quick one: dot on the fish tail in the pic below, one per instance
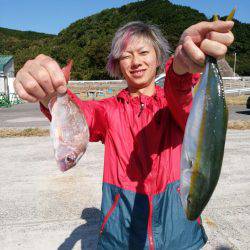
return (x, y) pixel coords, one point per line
(67, 69)
(231, 15)
(215, 18)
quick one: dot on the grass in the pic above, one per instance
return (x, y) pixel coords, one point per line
(238, 124)
(24, 132)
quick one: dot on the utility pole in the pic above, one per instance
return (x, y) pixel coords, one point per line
(234, 62)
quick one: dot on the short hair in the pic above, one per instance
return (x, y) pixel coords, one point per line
(137, 29)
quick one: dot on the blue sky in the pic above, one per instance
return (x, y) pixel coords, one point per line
(51, 16)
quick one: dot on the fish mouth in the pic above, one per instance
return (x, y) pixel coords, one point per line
(71, 159)
(68, 162)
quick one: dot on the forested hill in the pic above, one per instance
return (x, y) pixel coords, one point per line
(11, 41)
(26, 35)
(88, 40)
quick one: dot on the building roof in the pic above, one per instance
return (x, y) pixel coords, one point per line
(4, 60)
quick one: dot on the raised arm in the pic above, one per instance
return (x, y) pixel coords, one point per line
(199, 40)
(178, 91)
(42, 78)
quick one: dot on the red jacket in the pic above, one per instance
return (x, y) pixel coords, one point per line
(143, 138)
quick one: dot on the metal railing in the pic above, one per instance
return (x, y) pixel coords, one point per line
(238, 91)
(237, 85)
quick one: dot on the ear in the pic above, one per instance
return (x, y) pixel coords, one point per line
(158, 63)
(120, 72)
(158, 66)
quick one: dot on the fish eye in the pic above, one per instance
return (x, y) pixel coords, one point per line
(70, 158)
(189, 200)
(191, 163)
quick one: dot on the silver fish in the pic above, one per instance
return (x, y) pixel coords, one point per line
(204, 141)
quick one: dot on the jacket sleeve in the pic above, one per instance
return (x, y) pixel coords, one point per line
(178, 92)
(94, 113)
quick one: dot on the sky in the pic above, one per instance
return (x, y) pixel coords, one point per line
(51, 16)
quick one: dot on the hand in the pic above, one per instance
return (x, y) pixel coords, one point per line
(199, 40)
(40, 79)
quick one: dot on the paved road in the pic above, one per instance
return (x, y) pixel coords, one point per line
(42, 208)
(239, 112)
(26, 115)
(29, 115)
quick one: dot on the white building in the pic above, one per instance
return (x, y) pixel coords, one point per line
(6, 74)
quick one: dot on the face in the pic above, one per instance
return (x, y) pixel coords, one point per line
(138, 63)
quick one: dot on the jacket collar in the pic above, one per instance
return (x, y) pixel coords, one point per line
(125, 95)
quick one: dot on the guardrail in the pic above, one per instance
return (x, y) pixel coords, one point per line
(236, 82)
(238, 91)
(99, 82)
(241, 78)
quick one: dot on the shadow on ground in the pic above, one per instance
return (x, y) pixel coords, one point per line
(223, 248)
(245, 112)
(87, 233)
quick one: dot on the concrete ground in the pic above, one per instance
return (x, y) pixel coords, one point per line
(43, 208)
(25, 115)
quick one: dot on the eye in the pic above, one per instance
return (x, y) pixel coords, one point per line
(125, 57)
(144, 52)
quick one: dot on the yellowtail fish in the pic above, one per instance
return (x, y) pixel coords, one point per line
(204, 141)
(68, 129)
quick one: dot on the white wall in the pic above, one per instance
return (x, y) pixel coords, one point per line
(10, 83)
(1, 84)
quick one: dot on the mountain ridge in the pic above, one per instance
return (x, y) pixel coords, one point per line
(87, 41)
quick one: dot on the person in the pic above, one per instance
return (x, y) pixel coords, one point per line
(142, 129)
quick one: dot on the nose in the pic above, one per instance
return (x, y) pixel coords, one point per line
(136, 61)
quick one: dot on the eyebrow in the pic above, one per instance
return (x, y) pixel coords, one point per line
(130, 51)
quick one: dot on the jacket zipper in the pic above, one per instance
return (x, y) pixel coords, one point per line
(105, 220)
(141, 109)
(150, 230)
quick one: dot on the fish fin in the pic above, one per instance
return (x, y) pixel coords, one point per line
(67, 69)
(231, 15)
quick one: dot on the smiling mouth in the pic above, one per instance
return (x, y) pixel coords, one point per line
(137, 73)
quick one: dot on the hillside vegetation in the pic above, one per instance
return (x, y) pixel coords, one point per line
(88, 40)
